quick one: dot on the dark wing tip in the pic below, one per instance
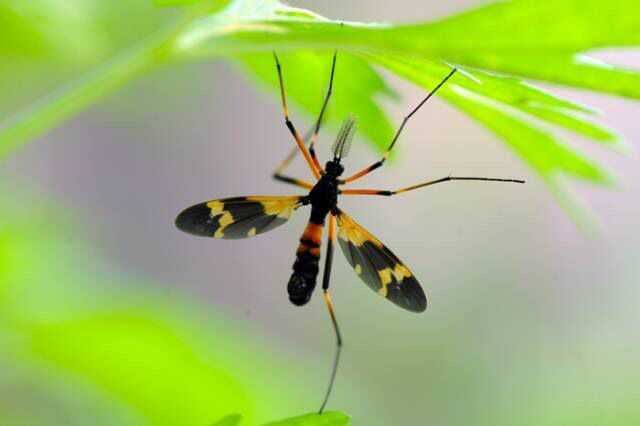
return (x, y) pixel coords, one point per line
(197, 220)
(419, 301)
(411, 296)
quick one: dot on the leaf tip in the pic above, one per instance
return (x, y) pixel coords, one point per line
(328, 418)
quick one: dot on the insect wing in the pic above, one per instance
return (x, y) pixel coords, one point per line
(378, 267)
(238, 217)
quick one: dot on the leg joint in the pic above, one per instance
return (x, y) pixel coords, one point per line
(289, 125)
(377, 164)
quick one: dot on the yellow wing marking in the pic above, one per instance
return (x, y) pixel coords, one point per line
(385, 280)
(225, 220)
(401, 272)
(279, 206)
(351, 231)
(216, 207)
(282, 207)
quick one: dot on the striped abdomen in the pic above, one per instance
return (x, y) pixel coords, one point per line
(305, 268)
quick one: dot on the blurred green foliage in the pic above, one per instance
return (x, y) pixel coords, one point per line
(82, 344)
(102, 353)
(495, 46)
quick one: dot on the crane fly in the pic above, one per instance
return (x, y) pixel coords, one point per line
(372, 261)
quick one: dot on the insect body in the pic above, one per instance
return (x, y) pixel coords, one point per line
(323, 199)
(372, 261)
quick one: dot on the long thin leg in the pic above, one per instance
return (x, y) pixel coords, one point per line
(421, 185)
(292, 180)
(315, 169)
(314, 136)
(279, 175)
(380, 162)
(327, 298)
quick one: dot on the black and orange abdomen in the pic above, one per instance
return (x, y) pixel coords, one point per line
(305, 268)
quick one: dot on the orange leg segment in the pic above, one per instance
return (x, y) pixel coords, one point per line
(315, 167)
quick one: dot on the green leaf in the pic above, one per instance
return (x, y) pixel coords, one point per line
(542, 42)
(42, 36)
(172, 3)
(535, 102)
(540, 149)
(231, 420)
(108, 349)
(69, 100)
(48, 112)
(329, 418)
(217, 4)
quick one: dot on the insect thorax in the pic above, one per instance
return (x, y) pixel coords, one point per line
(323, 198)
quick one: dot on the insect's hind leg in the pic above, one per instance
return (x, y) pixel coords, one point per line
(332, 314)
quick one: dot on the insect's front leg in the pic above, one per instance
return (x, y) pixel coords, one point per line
(380, 162)
(315, 167)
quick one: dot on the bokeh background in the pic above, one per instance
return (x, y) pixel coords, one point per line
(112, 316)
